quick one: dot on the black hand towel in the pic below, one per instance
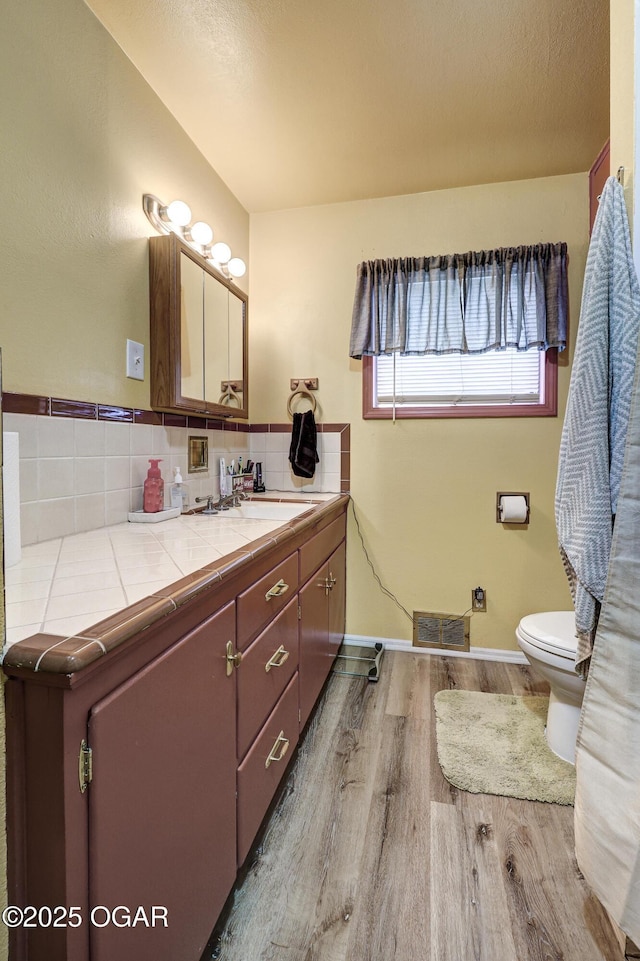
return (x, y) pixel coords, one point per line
(303, 453)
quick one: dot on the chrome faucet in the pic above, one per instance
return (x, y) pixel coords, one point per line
(211, 508)
(223, 503)
(233, 499)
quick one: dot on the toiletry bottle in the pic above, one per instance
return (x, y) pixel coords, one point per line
(153, 499)
(223, 477)
(179, 493)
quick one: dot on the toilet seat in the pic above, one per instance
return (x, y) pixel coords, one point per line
(551, 631)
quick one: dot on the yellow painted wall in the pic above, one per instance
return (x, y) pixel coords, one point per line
(83, 138)
(622, 120)
(424, 491)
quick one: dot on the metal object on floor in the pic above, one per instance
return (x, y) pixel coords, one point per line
(354, 660)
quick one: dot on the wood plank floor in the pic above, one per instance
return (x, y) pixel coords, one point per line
(370, 855)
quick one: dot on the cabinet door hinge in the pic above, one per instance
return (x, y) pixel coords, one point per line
(85, 766)
(299, 613)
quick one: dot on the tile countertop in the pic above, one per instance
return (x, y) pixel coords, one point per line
(66, 587)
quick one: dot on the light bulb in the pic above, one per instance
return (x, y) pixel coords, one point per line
(221, 252)
(178, 213)
(237, 267)
(201, 233)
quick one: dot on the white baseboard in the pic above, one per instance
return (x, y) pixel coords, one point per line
(479, 653)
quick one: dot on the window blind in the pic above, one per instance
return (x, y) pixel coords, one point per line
(496, 377)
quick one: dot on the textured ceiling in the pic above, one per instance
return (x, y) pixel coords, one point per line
(295, 102)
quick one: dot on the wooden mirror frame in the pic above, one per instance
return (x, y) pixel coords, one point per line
(165, 331)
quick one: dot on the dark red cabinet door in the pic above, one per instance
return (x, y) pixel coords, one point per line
(322, 603)
(337, 598)
(162, 802)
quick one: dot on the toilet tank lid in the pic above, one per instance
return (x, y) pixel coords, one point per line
(555, 629)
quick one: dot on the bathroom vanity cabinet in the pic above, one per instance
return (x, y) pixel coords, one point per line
(190, 723)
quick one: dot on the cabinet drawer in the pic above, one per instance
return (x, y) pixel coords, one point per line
(320, 546)
(263, 600)
(258, 776)
(266, 668)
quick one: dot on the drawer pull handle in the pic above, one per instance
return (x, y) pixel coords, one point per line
(277, 590)
(233, 658)
(282, 745)
(277, 659)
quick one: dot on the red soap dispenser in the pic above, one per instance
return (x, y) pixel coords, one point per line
(153, 499)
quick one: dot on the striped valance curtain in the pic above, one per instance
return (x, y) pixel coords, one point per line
(462, 303)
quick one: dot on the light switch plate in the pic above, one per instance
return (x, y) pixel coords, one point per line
(135, 360)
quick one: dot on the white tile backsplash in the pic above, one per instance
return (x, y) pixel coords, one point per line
(90, 475)
(89, 438)
(330, 464)
(277, 441)
(79, 475)
(117, 438)
(55, 437)
(55, 518)
(117, 505)
(55, 477)
(117, 473)
(28, 479)
(90, 513)
(160, 441)
(272, 450)
(274, 462)
(258, 445)
(27, 426)
(141, 439)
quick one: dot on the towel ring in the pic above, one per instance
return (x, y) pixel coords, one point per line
(303, 393)
(228, 396)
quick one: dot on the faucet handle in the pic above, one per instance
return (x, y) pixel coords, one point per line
(209, 509)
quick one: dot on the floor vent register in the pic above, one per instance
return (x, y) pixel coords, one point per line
(448, 632)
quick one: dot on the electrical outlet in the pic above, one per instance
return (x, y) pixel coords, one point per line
(135, 360)
(478, 599)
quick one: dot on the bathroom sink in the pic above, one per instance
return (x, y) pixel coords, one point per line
(266, 510)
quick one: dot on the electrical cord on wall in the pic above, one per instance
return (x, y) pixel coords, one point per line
(385, 590)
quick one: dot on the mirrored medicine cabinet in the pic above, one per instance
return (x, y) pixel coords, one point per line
(199, 332)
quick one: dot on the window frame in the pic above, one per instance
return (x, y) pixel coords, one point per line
(548, 406)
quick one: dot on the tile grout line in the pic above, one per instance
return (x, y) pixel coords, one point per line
(52, 581)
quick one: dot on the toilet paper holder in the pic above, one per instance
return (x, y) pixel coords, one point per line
(502, 494)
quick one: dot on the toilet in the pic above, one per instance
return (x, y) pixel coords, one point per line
(548, 640)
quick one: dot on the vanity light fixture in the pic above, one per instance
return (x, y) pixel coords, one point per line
(177, 213)
(237, 267)
(201, 233)
(220, 253)
(176, 218)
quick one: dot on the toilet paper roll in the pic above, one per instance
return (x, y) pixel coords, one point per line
(11, 497)
(513, 509)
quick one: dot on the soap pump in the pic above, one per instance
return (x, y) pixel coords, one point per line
(153, 498)
(179, 493)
